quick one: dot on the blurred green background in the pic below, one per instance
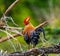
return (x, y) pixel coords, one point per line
(39, 11)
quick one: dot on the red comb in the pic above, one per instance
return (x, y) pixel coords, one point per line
(26, 20)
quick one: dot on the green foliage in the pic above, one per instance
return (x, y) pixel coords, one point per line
(38, 10)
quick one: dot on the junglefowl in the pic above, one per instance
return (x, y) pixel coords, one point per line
(31, 33)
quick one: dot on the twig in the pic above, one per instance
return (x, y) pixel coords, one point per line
(11, 28)
(10, 7)
(6, 38)
(42, 24)
(39, 51)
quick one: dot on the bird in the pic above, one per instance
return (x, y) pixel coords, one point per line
(31, 33)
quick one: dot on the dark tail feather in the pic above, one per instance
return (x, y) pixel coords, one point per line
(40, 29)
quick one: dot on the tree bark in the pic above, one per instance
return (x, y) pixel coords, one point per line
(39, 51)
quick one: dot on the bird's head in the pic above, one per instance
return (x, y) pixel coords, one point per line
(26, 20)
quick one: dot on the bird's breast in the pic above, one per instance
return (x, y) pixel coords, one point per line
(28, 30)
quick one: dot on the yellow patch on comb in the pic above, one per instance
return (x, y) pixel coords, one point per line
(27, 18)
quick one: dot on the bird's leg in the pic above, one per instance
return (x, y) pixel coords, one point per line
(33, 46)
(29, 47)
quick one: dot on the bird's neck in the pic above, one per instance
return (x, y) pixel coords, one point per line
(29, 25)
